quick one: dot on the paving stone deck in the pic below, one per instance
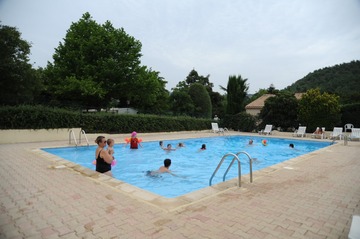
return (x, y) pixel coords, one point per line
(307, 197)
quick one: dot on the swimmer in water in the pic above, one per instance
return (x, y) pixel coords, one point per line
(168, 148)
(162, 169)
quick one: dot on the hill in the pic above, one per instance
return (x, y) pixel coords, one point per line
(342, 80)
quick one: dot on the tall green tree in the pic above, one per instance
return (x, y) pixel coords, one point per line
(181, 102)
(19, 83)
(236, 94)
(280, 111)
(318, 109)
(98, 64)
(148, 92)
(183, 86)
(201, 100)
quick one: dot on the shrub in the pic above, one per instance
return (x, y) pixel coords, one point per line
(241, 122)
(40, 117)
(350, 114)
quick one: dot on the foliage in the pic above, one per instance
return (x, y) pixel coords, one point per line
(236, 94)
(98, 64)
(194, 77)
(148, 92)
(350, 114)
(201, 100)
(318, 109)
(218, 103)
(182, 104)
(18, 80)
(342, 80)
(40, 117)
(280, 111)
(241, 122)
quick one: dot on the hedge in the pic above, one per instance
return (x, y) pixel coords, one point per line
(41, 117)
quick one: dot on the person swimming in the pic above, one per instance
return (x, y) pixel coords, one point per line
(162, 169)
(169, 148)
(180, 145)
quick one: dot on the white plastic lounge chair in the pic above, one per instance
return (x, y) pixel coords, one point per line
(355, 134)
(216, 129)
(354, 232)
(267, 130)
(322, 136)
(348, 127)
(300, 131)
(337, 133)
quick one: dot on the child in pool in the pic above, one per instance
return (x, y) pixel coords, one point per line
(134, 141)
(180, 145)
(110, 149)
(203, 147)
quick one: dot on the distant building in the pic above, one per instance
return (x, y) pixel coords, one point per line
(123, 111)
(255, 107)
(114, 111)
(298, 95)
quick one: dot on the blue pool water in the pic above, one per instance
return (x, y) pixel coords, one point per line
(195, 167)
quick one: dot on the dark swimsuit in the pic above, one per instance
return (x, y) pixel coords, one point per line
(101, 165)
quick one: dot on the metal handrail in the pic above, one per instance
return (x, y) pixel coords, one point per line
(71, 133)
(221, 161)
(250, 163)
(232, 162)
(83, 132)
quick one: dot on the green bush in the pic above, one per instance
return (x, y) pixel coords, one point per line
(40, 117)
(350, 114)
(241, 122)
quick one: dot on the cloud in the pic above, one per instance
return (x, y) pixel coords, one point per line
(274, 41)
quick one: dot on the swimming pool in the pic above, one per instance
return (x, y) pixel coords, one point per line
(193, 166)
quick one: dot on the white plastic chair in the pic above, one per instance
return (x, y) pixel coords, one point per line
(322, 135)
(355, 134)
(216, 129)
(337, 133)
(348, 127)
(301, 131)
(267, 130)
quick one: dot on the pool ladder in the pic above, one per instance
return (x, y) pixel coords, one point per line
(72, 136)
(235, 157)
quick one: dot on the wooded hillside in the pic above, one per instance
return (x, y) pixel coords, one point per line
(342, 79)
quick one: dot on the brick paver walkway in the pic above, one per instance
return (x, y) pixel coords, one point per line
(314, 198)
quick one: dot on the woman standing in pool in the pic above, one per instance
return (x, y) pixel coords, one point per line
(103, 158)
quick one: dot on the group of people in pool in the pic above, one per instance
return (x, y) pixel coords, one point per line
(251, 141)
(105, 156)
(180, 145)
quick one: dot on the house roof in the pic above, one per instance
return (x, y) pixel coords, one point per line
(298, 95)
(259, 102)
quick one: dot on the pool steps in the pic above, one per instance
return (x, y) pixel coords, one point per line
(236, 157)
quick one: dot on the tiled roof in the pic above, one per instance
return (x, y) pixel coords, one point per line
(259, 102)
(298, 95)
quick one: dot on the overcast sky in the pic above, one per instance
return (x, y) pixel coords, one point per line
(265, 41)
